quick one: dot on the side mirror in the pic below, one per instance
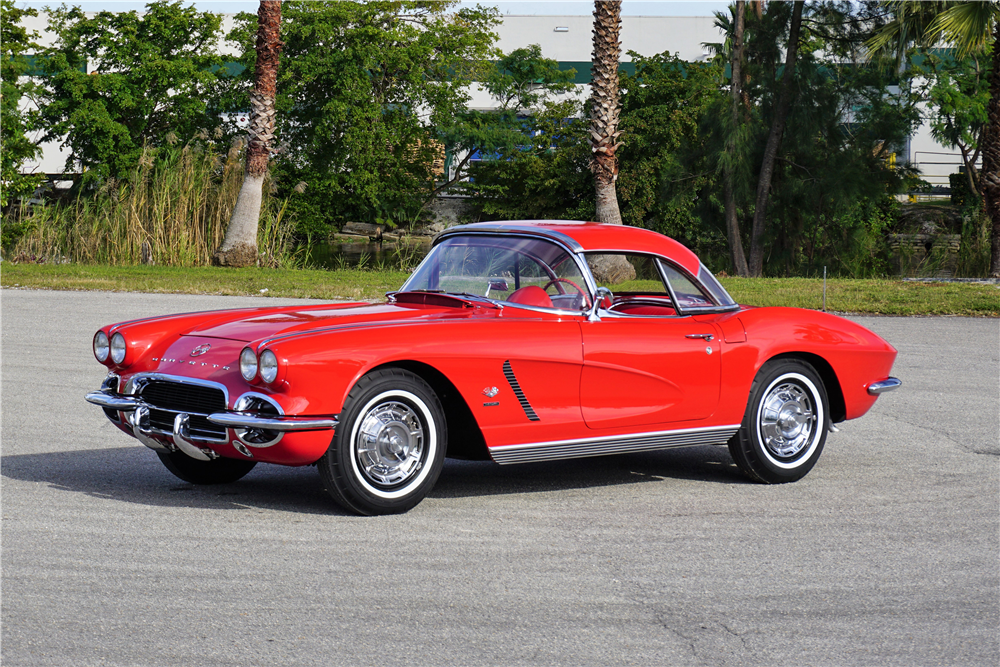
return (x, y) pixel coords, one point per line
(603, 298)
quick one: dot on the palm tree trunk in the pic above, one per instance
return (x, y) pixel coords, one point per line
(240, 245)
(605, 108)
(728, 191)
(773, 143)
(989, 178)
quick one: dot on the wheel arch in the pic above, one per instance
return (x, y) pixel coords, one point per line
(465, 439)
(834, 392)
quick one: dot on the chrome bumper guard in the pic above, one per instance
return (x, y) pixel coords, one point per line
(138, 420)
(882, 386)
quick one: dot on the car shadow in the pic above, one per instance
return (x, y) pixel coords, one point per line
(135, 475)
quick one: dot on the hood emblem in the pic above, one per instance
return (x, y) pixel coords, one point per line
(490, 392)
(201, 349)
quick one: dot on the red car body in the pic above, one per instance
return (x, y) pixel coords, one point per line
(512, 381)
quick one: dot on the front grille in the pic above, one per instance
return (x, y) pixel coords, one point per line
(168, 399)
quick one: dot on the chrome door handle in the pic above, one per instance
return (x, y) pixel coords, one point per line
(702, 336)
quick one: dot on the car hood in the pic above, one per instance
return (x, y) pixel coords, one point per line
(282, 321)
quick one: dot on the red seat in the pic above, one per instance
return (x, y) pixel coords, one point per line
(531, 295)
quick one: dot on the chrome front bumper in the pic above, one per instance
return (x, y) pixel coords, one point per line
(882, 386)
(137, 418)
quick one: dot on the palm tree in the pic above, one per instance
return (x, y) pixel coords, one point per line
(605, 108)
(240, 245)
(969, 27)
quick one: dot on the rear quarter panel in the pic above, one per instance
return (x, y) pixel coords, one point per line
(856, 355)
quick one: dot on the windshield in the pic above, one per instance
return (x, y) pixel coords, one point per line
(525, 271)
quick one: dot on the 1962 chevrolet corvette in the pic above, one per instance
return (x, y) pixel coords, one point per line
(526, 341)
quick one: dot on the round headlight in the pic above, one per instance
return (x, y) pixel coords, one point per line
(101, 346)
(118, 348)
(268, 366)
(248, 364)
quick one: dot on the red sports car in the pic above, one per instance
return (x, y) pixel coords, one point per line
(520, 341)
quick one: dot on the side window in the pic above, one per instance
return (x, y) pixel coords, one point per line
(635, 281)
(688, 294)
(632, 274)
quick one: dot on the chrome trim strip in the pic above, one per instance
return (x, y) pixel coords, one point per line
(180, 379)
(246, 420)
(636, 442)
(881, 387)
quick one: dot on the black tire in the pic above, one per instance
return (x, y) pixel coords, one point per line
(216, 471)
(785, 424)
(389, 447)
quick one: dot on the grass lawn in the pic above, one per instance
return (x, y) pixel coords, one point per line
(881, 297)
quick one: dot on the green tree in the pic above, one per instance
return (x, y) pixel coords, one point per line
(971, 27)
(665, 170)
(362, 91)
(525, 86)
(150, 76)
(17, 120)
(958, 94)
(239, 248)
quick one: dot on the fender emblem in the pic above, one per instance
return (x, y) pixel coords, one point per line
(201, 349)
(490, 392)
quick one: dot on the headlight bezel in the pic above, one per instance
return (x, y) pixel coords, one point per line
(102, 342)
(119, 348)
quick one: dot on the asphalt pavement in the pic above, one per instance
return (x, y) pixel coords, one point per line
(887, 553)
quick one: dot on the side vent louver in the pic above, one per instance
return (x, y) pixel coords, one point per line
(525, 405)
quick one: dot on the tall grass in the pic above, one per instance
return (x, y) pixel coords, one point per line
(172, 212)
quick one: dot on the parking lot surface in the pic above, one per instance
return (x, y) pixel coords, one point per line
(885, 554)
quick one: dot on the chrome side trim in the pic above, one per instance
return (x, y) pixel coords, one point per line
(881, 387)
(637, 442)
(245, 420)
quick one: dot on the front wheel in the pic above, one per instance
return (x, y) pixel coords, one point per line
(216, 471)
(785, 424)
(388, 449)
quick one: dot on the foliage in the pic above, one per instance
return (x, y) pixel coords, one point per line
(173, 211)
(524, 85)
(17, 119)
(834, 174)
(957, 93)
(152, 75)
(547, 177)
(666, 180)
(362, 89)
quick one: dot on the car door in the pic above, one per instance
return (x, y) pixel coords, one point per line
(647, 369)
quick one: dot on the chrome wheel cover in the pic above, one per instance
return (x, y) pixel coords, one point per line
(787, 420)
(390, 444)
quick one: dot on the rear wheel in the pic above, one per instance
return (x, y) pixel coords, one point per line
(388, 449)
(216, 471)
(785, 424)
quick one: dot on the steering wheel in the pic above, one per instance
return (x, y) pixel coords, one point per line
(557, 281)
